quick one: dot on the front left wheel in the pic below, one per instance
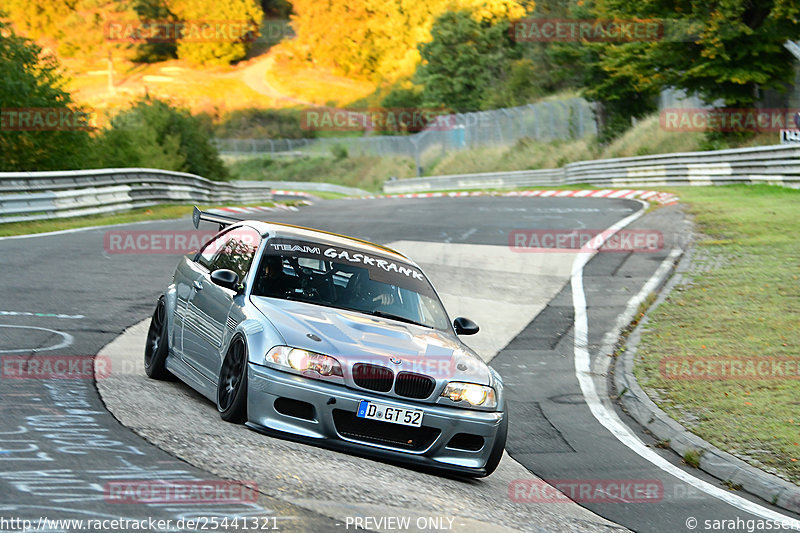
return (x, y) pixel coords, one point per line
(157, 348)
(232, 384)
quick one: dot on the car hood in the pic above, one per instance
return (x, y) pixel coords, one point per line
(354, 337)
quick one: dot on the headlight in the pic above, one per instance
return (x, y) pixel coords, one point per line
(304, 361)
(478, 395)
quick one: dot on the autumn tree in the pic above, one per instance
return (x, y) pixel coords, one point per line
(226, 47)
(72, 28)
(379, 39)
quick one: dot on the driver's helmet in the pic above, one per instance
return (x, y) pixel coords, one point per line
(369, 288)
(273, 266)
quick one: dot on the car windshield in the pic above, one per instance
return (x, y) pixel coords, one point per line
(348, 279)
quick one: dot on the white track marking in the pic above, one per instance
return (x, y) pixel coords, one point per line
(39, 315)
(609, 418)
(67, 339)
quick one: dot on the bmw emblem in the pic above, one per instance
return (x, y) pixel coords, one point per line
(395, 360)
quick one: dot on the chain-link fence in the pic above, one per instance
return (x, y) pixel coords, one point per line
(545, 121)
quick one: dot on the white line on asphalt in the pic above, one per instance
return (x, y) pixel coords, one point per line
(467, 234)
(67, 339)
(39, 315)
(609, 418)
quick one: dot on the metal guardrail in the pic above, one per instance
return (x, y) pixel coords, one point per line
(778, 164)
(44, 195)
(26, 196)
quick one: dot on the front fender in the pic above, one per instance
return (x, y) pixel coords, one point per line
(497, 383)
(259, 338)
(170, 300)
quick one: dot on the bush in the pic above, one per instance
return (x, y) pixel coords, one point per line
(339, 152)
(256, 123)
(154, 134)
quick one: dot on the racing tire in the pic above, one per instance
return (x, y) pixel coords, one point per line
(232, 384)
(498, 448)
(156, 349)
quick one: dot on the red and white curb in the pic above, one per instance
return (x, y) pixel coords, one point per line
(250, 210)
(663, 198)
(628, 194)
(292, 193)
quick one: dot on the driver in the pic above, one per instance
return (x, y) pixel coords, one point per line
(273, 281)
(363, 290)
(383, 298)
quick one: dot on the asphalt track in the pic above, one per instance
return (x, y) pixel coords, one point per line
(59, 446)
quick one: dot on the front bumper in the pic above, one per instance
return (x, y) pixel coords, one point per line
(316, 411)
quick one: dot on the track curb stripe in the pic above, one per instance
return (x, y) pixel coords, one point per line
(663, 198)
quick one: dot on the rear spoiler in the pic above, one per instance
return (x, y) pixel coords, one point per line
(222, 220)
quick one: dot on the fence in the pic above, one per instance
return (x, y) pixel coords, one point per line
(764, 164)
(28, 196)
(546, 121)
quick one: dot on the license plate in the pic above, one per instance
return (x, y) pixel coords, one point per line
(387, 413)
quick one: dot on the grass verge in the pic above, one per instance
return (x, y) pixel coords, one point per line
(740, 300)
(156, 212)
(367, 173)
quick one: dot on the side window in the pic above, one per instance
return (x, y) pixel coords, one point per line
(208, 252)
(233, 251)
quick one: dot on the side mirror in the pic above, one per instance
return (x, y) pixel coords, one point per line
(226, 278)
(465, 326)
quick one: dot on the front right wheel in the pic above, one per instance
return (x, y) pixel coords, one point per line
(157, 348)
(232, 384)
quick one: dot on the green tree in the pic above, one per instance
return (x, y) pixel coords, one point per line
(29, 79)
(520, 84)
(463, 60)
(154, 134)
(403, 96)
(620, 96)
(726, 50)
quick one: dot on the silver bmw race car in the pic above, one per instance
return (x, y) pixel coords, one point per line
(329, 340)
